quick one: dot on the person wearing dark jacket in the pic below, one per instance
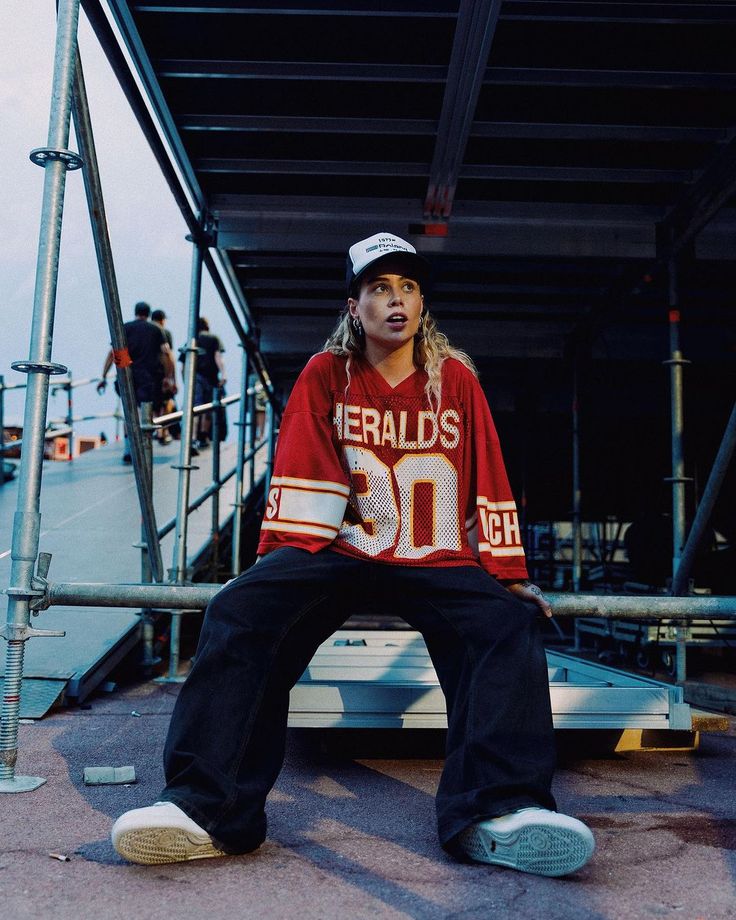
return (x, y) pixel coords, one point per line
(151, 359)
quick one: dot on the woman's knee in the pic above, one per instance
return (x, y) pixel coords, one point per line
(233, 604)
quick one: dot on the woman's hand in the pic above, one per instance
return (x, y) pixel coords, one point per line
(526, 591)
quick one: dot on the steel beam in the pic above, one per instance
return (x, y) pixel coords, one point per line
(301, 124)
(700, 203)
(408, 9)
(260, 284)
(589, 13)
(488, 172)
(285, 71)
(474, 31)
(502, 238)
(337, 209)
(638, 13)
(517, 130)
(609, 79)
(336, 167)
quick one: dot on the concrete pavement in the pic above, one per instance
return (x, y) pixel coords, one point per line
(352, 832)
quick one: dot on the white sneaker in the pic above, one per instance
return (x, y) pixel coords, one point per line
(161, 833)
(531, 840)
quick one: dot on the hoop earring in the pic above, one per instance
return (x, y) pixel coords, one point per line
(419, 335)
(357, 327)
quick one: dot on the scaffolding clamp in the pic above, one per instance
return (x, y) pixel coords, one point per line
(17, 633)
(39, 367)
(38, 596)
(43, 155)
(205, 236)
(39, 590)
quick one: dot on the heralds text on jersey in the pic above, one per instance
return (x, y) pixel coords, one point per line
(419, 430)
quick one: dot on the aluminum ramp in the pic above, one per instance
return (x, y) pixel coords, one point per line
(90, 522)
(385, 679)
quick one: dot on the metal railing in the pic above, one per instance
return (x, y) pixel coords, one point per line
(64, 426)
(196, 597)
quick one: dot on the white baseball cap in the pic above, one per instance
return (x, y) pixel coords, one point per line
(366, 252)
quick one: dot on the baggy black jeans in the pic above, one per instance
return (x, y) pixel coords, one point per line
(226, 740)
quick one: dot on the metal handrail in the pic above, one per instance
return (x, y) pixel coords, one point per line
(163, 421)
(196, 597)
(69, 420)
(70, 384)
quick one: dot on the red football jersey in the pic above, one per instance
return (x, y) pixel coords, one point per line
(372, 471)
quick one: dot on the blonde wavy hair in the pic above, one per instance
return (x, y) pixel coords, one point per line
(431, 348)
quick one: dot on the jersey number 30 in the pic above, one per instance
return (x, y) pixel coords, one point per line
(419, 516)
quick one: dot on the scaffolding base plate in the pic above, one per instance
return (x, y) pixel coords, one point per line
(21, 784)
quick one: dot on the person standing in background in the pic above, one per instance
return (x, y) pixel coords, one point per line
(210, 374)
(168, 391)
(151, 359)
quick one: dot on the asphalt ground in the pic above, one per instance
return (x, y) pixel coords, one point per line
(352, 831)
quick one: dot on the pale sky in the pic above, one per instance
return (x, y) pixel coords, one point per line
(152, 258)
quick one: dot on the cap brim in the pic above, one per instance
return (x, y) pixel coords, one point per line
(419, 268)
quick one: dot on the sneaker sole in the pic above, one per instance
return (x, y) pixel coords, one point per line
(536, 848)
(155, 845)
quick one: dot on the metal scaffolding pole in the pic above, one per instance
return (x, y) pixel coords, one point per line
(251, 435)
(678, 478)
(196, 597)
(70, 397)
(56, 160)
(2, 430)
(185, 467)
(705, 508)
(577, 520)
(240, 470)
(108, 280)
(271, 435)
(215, 509)
(146, 414)
(179, 570)
(147, 624)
